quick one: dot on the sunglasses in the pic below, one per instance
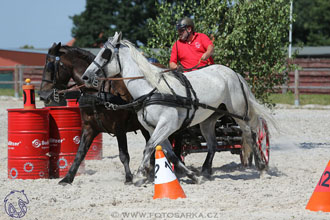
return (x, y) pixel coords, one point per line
(181, 30)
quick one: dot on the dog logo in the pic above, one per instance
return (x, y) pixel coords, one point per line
(15, 204)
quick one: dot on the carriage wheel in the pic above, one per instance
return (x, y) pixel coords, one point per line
(262, 141)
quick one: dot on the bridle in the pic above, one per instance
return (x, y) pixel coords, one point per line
(108, 56)
(54, 74)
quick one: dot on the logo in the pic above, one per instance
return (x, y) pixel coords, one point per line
(41, 174)
(197, 45)
(61, 165)
(56, 141)
(15, 204)
(28, 167)
(37, 143)
(94, 147)
(12, 171)
(76, 140)
(10, 143)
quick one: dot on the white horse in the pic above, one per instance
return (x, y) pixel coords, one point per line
(213, 85)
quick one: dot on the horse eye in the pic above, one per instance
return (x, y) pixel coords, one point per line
(106, 54)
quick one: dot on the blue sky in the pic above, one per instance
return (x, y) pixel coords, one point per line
(37, 22)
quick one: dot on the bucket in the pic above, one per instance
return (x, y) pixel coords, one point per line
(64, 139)
(95, 150)
(28, 143)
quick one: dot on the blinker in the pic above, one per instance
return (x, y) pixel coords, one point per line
(106, 54)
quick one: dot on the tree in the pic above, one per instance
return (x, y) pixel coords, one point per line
(312, 23)
(102, 18)
(250, 36)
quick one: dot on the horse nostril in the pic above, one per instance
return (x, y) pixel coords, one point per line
(85, 78)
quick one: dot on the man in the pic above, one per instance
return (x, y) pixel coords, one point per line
(192, 49)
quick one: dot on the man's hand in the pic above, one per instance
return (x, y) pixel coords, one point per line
(205, 56)
(179, 68)
(208, 53)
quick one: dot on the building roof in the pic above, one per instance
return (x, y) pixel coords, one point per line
(12, 57)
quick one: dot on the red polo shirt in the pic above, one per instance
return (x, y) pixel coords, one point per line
(190, 53)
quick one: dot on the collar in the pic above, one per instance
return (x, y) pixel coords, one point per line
(193, 38)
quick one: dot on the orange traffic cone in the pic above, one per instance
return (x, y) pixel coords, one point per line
(320, 199)
(166, 183)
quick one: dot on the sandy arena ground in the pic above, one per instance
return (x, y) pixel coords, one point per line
(299, 155)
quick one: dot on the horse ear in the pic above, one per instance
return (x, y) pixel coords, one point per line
(58, 46)
(119, 36)
(116, 38)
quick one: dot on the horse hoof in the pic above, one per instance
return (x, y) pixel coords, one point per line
(140, 182)
(261, 166)
(63, 183)
(199, 180)
(129, 180)
(139, 179)
(206, 175)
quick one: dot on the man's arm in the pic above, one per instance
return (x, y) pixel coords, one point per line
(208, 53)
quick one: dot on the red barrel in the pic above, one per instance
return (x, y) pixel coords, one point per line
(95, 150)
(64, 139)
(72, 103)
(28, 143)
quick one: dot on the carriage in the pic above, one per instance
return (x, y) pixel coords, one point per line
(229, 138)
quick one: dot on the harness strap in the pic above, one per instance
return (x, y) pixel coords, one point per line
(245, 98)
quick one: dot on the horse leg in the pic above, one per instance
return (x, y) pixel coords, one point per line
(208, 131)
(178, 164)
(87, 137)
(124, 156)
(159, 134)
(146, 136)
(249, 143)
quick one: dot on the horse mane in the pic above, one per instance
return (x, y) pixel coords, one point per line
(81, 53)
(153, 74)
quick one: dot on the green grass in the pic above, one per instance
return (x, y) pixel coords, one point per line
(304, 99)
(7, 92)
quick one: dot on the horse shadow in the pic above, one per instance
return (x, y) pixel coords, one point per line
(313, 145)
(91, 172)
(227, 171)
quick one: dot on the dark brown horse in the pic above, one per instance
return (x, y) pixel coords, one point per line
(64, 63)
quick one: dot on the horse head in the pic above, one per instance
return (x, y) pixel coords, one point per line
(106, 63)
(56, 75)
(15, 204)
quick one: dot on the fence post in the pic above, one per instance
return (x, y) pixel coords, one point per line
(16, 81)
(21, 72)
(296, 87)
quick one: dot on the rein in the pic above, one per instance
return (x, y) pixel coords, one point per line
(72, 88)
(122, 78)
